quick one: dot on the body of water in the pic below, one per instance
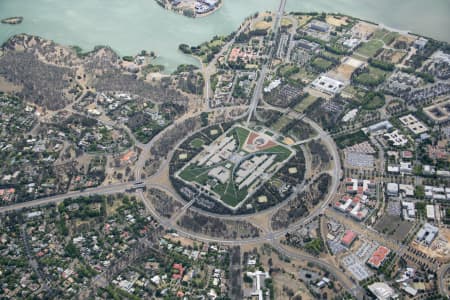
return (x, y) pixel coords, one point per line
(129, 26)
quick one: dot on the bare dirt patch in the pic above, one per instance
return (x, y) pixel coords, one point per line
(440, 248)
(364, 30)
(394, 226)
(336, 21)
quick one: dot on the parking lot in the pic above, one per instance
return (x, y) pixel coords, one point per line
(360, 160)
(394, 208)
(356, 267)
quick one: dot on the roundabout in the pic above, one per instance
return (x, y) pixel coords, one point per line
(163, 180)
(261, 221)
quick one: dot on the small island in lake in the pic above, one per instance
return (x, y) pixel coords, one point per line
(191, 8)
(12, 20)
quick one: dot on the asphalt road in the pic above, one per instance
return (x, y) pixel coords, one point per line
(103, 190)
(442, 285)
(257, 94)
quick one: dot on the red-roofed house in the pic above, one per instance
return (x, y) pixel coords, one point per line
(436, 152)
(348, 238)
(180, 294)
(407, 155)
(378, 257)
(107, 227)
(343, 204)
(179, 270)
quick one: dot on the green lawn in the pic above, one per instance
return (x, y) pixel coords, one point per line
(305, 103)
(228, 192)
(282, 152)
(281, 123)
(373, 102)
(370, 48)
(321, 64)
(358, 57)
(331, 55)
(379, 34)
(373, 78)
(289, 70)
(351, 139)
(196, 173)
(242, 135)
(389, 38)
(385, 35)
(197, 143)
(315, 246)
(305, 74)
(378, 72)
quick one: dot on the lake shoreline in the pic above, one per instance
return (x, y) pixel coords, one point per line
(189, 11)
(143, 24)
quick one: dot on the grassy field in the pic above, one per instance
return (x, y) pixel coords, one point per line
(358, 57)
(286, 22)
(374, 77)
(379, 34)
(304, 74)
(374, 102)
(229, 191)
(197, 143)
(321, 64)
(384, 35)
(390, 37)
(230, 194)
(331, 55)
(351, 139)
(281, 123)
(242, 135)
(370, 48)
(350, 90)
(305, 103)
(289, 70)
(195, 173)
(356, 93)
(282, 152)
(378, 72)
(262, 25)
(303, 20)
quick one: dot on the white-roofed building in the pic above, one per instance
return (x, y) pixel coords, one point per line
(392, 189)
(393, 169)
(427, 234)
(220, 173)
(257, 291)
(328, 85)
(396, 138)
(409, 211)
(430, 212)
(382, 291)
